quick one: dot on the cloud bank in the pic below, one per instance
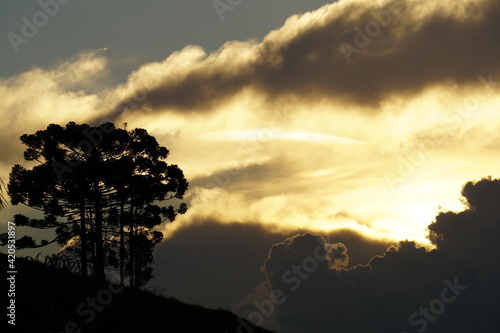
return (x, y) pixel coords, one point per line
(349, 52)
(216, 264)
(407, 289)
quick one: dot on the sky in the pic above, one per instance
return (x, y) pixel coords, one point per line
(351, 124)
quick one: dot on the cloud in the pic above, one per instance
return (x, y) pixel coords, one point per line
(257, 134)
(379, 296)
(472, 233)
(31, 100)
(287, 192)
(292, 251)
(211, 263)
(307, 154)
(407, 289)
(356, 52)
(216, 264)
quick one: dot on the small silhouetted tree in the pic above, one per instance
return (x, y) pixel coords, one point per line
(106, 184)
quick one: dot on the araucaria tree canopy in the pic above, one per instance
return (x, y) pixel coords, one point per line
(103, 189)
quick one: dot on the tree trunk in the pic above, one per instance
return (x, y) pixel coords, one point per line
(99, 248)
(138, 265)
(122, 242)
(131, 246)
(83, 238)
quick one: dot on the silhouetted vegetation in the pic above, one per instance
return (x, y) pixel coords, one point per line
(101, 189)
(54, 300)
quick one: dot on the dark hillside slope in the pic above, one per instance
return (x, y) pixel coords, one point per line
(53, 300)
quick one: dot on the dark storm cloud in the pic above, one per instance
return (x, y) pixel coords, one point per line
(473, 234)
(217, 264)
(378, 297)
(211, 263)
(352, 51)
(407, 289)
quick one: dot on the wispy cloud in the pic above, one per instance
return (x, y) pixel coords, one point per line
(424, 44)
(260, 134)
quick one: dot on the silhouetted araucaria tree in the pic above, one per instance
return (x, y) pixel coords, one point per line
(103, 190)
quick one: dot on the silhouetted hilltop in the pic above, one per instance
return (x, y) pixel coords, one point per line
(54, 300)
